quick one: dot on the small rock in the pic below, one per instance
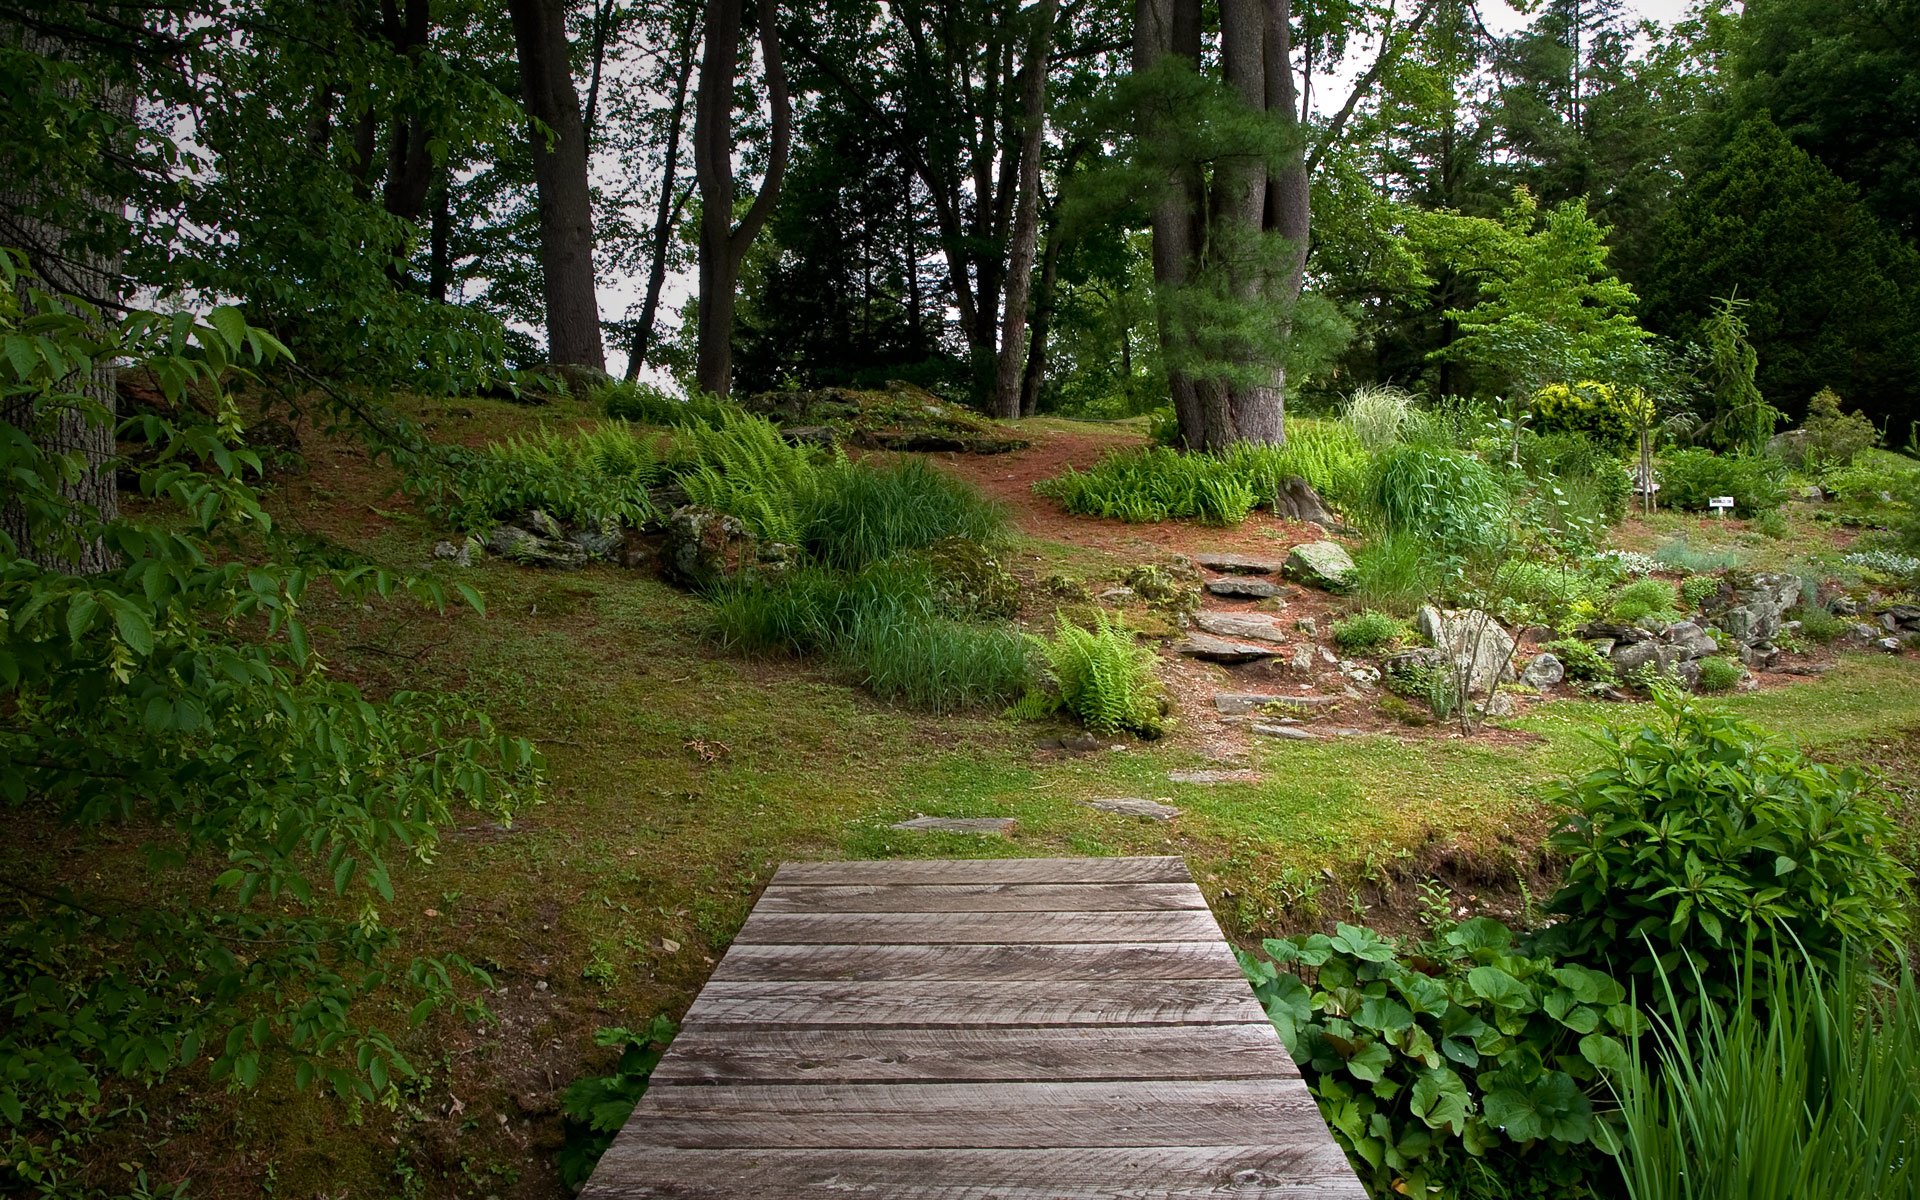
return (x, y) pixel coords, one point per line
(1240, 587)
(985, 826)
(517, 545)
(1136, 806)
(703, 547)
(1234, 704)
(1257, 627)
(1692, 641)
(1116, 595)
(1761, 656)
(1292, 733)
(1321, 564)
(1360, 674)
(603, 542)
(1629, 658)
(1326, 656)
(1307, 627)
(460, 555)
(1341, 731)
(1501, 704)
(669, 946)
(543, 525)
(1890, 645)
(1238, 564)
(1843, 606)
(1223, 650)
(1544, 671)
(1212, 777)
(1860, 631)
(1812, 492)
(821, 436)
(540, 985)
(1302, 661)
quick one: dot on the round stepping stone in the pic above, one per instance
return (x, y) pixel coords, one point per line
(1291, 733)
(1211, 777)
(1255, 627)
(985, 826)
(1238, 564)
(1136, 806)
(1240, 587)
(1225, 650)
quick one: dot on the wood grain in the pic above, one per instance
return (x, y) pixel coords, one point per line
(1311, 1170)
(985, 870)
(910, 929)
(982, 897)
(1014, 1054)
(1089, 962)
(995, 1002)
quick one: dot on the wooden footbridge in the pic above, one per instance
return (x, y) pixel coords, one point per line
(1030, 1029)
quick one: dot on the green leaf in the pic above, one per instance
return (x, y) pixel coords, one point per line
(231, 326)
(1440, 1099)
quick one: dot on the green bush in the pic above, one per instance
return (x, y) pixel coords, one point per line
(1545, 590)
(858, 513)
(1324, 453)
(1802, 1087)
(1691, 477)
(1368, 630)
(1381, 416)
(1702, 835)
(1720, 674)
(1102, 677)
(1445, 497)
(971, 582)
(650, 405)
(1398, 572)
(1696, 590)
(602, 474)
(1466, 1065)
(1645, 599)
(1829, 439)
(1817, 624)
(743, 467)
(1575, 459)
(1154, 484)
(594, 1108)
(1679, 555)
(1582, 660)
(1609, 414)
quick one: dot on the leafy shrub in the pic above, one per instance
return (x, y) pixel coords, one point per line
(1817, 624)
(1644, 599)
(1154, 484)
(599, 475)
(743, 467)
(1887, 563)
(1582, 660)
(1680, 555)
(1696, 590)
(970, 581)
(1102, 677)
(1467, 1064)
(1417, 678)
(1397, 573)
(1872, 480)
(1625, 563)
(1691, 477)
(651, 405)
(596, 1107)
(1550, 591)
(1368, 630)
(1702, 835)
(1609, 414)
(857, 513)
(1445, 497)
(1829, 439)
(1575, 458)
(1379, 416)
(1771, 524)
(1719, 674)
(1803, 1086)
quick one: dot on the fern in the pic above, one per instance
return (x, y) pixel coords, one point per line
(743, 467)
(601, 474)
(1102, 677)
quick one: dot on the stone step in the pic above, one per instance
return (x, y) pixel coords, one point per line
(1213, 777)
(1227, 651)
(1242, 587)
(1238, 564)
(1233, 704)
(1136, 806)
(985, 826)
(1255, 627)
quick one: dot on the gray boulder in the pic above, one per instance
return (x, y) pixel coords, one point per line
(703, 547)
(603, 541)
(517, 545)
(1480, 650)
(543, 525)
(1752, 611)
(1256, 627)
(1544, 671)
(1691, 641)
(1321, 564)
(1237, 564)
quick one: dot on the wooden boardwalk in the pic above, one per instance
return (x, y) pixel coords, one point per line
(1025, 1028)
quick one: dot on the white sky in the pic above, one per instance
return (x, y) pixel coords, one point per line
(621, 294)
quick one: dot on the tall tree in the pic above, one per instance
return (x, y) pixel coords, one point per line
(723, 242)
(1026, 221)
(560, 180)
(673, 196)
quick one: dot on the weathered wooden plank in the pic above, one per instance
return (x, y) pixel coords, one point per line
(987, 1002)
(1311, 1170)
(1165, 869)
(982, 897)
(882, 1116)
(790, 929)
(707, 1054)
(1094, 961)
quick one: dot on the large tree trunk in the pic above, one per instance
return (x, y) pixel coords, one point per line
(724, 244)
(560, 181)
(67, 262)
(1163, 29)
(1026, 220)
(1034, 378)
(409, 161)
(667, 214)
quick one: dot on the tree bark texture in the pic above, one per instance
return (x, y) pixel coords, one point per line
(65, 264)
(560, 182)
(1026, 220)
(724, 244)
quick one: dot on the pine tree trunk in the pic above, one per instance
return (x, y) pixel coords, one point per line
(1164, 28)
(723, 245)
(667, 214)
(66, 264)
(1035, 376)
(560, 182)
(1026, 220)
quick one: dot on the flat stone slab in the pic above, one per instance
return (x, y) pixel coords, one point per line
(1242, 587)
(1291, 733)
(1136, 806)
(1238, 564)
(1213, 777)
(985, 826)
(1225, 650)
(1233, 704)
(1255, 627)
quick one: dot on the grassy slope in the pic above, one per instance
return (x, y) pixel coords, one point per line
(682, 777)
